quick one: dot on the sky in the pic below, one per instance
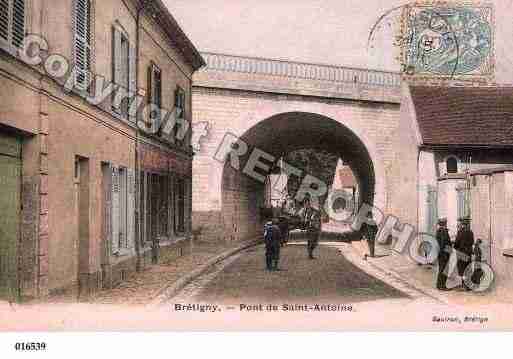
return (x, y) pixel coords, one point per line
(318, 31)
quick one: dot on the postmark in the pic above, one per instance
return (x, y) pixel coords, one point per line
(448, 41)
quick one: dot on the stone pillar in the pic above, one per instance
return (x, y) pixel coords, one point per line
(42, 247)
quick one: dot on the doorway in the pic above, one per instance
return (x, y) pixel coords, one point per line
(82, 186)
(10, 206)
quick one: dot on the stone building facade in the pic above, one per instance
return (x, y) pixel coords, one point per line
(81, 176)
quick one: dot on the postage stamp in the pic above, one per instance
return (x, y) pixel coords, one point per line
(453, 41)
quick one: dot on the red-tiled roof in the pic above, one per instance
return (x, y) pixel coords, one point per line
(472, 116)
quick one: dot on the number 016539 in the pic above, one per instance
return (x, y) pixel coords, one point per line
(30, 346)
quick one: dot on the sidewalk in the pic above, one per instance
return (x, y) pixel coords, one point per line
(421, 277)
(144, 287)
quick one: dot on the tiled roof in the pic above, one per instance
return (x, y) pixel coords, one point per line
(467, 116)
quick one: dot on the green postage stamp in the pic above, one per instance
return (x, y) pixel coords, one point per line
(444, 40)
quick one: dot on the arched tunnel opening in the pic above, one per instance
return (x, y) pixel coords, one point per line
(277, 136)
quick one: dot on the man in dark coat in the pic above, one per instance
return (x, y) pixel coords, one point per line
(311, 223)
(463, 245)
(444, 254)
(478, 272)
(272, 238)
(370, 230)
(284, 229)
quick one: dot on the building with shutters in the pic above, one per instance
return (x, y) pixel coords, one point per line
(87, 194)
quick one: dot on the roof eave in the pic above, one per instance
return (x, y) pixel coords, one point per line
(465, 146)
(178, 37)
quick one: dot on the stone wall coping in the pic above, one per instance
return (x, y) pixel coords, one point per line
(302, 70)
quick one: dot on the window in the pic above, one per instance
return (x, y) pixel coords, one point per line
(12, 21)
(122, 209)
(155, 94)
(76, 169)
(463, 201)
(122, 243)
(82, 43)
(120, 64)
(180, 112)
(452, 165)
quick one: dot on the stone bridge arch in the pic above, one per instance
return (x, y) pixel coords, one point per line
(358, 126)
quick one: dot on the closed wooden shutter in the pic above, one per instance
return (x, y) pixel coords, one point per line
(18, 22)
(116, 51)
(130, 237)
(82, 46)
(107, 209)
(115, 211)
(158, 95)
(4, 19)
(12, 21)
(180, 107)
(132, 75)
(155, 94)
(122, 207)
(431, 210)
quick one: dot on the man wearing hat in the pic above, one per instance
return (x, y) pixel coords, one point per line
(311, 223)
(272, 238)
(444, 254)
(464, 244)
(370, 230)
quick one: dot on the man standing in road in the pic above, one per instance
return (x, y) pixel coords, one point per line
(463, 245)
(370, 232)
(444, 254)
(284, 229)
(311, 223)
(272, 238)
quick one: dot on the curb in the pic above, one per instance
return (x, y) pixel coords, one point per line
(170, 290)
(387, 273)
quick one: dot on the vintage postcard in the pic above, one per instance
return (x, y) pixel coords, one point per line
(318, 165)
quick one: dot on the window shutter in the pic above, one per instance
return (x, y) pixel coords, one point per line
(149, 85)
(149, 90)
(108, 207)
(4, 19)
(12, 21)
(82, 42)
(158, 95)
(115, 210)
(116, 63)
(132, 75)
(172, 206)
(130, 237)
(116, 56)
(179, 103)
(154, 94)
(122, 207)
(18, 22)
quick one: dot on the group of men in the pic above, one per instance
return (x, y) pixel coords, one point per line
(465, 247)
(276, 233)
